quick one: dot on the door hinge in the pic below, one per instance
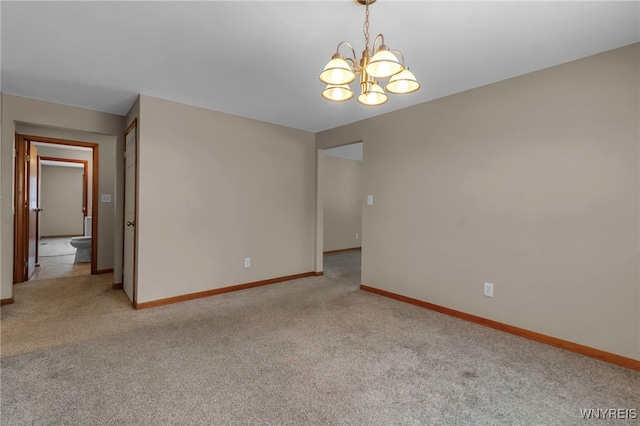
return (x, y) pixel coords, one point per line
(124, 154)
(26, 263)
(27, 157)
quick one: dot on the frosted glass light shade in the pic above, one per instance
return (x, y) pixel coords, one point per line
(337, 93)
(337, 72)
(374, 96)
(403, 82)
(384, 64)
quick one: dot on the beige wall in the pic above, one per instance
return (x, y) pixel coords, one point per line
(63, 152)
(531, 184)
(66, 122)
(61, 198)
(214, 189)
(4, 294)
(342, 201)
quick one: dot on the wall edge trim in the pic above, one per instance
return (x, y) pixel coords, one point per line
(8, 301)
(341, 250)
(521, 332)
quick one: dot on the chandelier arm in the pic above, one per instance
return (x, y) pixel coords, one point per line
(378, 37)
(346, 43)
(354, 65)
(401, 56)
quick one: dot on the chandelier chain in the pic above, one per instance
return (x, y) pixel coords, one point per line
(366, 27)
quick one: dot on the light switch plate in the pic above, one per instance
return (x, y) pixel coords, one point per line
(105, 198)
(369, 200)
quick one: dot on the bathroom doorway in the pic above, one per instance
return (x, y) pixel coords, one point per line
(56, 208)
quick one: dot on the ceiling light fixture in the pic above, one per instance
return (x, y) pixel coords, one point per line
(341, 71)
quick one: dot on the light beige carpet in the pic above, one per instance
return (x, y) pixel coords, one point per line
(310, 351)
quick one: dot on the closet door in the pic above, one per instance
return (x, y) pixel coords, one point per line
(130, 202)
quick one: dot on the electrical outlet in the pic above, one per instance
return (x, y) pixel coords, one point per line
(357, 236)
(247, 262)
(488, 289)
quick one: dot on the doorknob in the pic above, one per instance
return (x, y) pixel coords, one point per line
(130, 223)
(37, 209)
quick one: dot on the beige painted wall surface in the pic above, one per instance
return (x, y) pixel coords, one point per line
(531, 184)
(342, 200)
(3, 273)
(214, 189)
(61, 198)
(66, 122)
(72, 154)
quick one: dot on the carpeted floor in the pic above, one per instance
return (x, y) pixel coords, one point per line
(311, 351)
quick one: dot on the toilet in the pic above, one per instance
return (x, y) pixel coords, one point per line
(83, 244)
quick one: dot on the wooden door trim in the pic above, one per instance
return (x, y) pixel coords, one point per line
(19, 223)
(32, 213)
(20, 193)
(134, 281)
(85, 194)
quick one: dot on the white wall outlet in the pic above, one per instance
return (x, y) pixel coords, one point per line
(357, 235)
(488, 289)
(247, 262)
(369, 200)
(105, 198)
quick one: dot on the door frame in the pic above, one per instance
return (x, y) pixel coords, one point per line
(134, 281)
(20, 233)
(21, 216)
(22, 209)
(319, 225)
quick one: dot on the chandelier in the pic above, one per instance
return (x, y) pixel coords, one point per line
(341, 71)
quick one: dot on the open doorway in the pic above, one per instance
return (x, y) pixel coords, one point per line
(56, 208)
(64, 221)
(340, 186)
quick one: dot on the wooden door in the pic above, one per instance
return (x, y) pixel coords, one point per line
(21, 208)
(130, 197)
(39, 222)
(33, 210)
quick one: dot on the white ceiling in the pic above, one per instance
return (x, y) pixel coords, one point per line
(261, 59)
(61, 164)
(350, 152)
(58, 146)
